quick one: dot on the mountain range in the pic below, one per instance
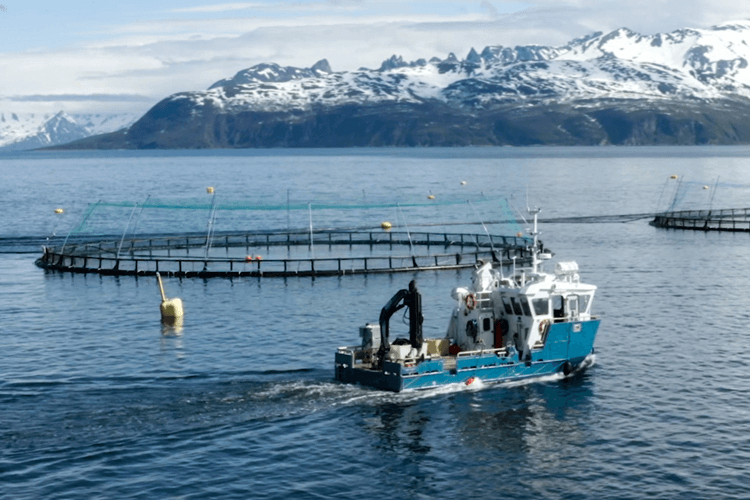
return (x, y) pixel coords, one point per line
(690, 86)
(19, 131)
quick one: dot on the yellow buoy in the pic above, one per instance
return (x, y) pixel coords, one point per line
(386, 225)
(673, 177)
(210, 190)
(59, 210)
(431, 197)
(171, 309)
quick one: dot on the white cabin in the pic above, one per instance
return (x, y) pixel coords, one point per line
(515, 311)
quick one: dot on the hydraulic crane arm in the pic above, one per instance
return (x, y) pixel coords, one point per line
(403, 298)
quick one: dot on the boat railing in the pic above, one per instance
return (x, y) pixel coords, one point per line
(496, 351)
(574, 319)
(349, 349)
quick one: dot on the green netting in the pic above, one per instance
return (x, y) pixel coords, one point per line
(203, 204)
(211, 214)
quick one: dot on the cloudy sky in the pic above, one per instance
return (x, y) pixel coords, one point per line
(106, 56)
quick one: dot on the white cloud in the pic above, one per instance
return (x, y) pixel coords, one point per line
(152, 59)
(223, 7)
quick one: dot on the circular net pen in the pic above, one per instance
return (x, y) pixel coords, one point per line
(145, 247)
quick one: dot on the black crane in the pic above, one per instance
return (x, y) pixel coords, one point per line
(403, 298)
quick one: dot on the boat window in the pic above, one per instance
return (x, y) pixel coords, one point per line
(573, 306)
(557, 307)
(583, 303)
(516, 307)
(541, 306)
(486, 324)
(506, 304)
(525, 303)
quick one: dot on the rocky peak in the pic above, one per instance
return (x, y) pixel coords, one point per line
(395, 62)
(321, 66)
(473, 57)
(272, 72)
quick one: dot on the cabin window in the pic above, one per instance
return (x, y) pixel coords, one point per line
(486, 324)
(557, 307)
(526, 309)
(573, 306)
(516, 307)
(506, 304)
(583, 303)
(541, 306)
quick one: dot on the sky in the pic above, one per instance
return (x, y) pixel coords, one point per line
(112, 57)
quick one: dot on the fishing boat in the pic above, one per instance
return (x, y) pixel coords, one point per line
(503, 328)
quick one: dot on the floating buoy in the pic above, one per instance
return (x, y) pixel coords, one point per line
(249, 258)
(59, 210)
(470, 380)
(463, 183)
(171, 309)
(431, 197)
(673, 177)
(705, 187)
(385, 225)
(210, 190)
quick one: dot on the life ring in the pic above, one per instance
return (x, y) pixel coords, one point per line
(544, 326)
(471, 301)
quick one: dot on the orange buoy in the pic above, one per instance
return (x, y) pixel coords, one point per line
(249, 258)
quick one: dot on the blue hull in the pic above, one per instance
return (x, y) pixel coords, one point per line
(567, 346)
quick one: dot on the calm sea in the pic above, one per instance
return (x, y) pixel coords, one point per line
(98, 400)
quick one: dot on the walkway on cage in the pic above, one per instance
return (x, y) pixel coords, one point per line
(283, 253)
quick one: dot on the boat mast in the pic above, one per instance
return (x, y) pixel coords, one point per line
(535, 261)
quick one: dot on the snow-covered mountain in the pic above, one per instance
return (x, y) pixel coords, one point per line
(688, 86)
(35, 130)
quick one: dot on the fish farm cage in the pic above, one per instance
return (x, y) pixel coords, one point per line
(686, 194)
(730, 219)
(694, 194)
(269, 251)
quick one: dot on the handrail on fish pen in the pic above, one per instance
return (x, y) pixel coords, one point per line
(170, 254)
(729, 219)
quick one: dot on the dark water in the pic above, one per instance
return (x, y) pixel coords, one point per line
(98, 400)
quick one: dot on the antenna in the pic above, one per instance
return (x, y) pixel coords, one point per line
(535, 248)
(527, 199)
